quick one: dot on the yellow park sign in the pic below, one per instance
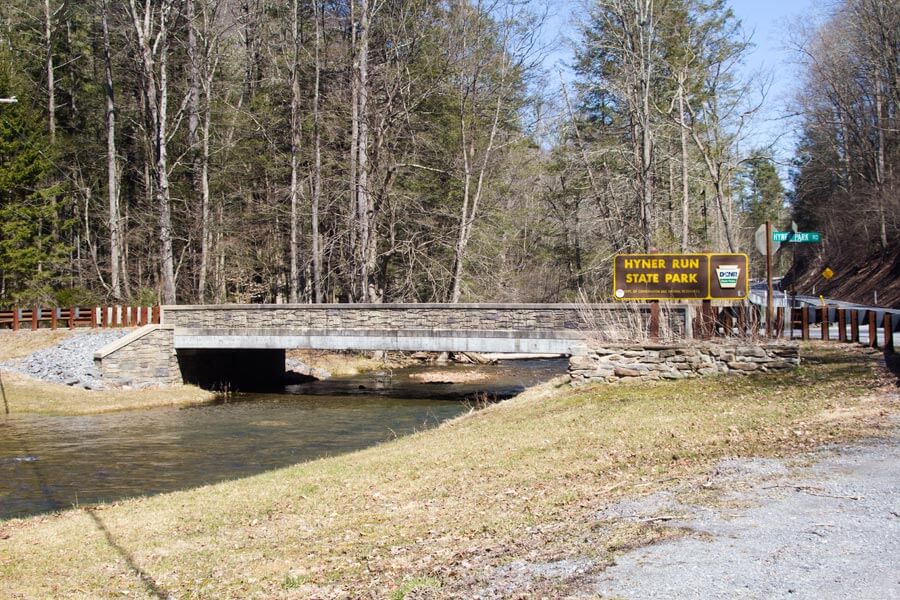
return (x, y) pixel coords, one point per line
(680, 276)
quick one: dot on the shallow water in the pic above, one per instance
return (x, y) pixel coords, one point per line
(51, 463)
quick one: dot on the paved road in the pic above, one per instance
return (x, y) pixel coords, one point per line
(830, 530)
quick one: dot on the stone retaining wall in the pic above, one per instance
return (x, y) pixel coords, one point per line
(655, 362)
(146, 357)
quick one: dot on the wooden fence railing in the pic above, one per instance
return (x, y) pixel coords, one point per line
(857, 325)
(78, 316)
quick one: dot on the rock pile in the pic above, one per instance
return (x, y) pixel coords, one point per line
(70, 362)
(650, 362)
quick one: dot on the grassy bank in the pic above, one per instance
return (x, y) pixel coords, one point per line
(22, 394)
(443, 509)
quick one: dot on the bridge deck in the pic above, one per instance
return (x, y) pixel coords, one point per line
(434, 340)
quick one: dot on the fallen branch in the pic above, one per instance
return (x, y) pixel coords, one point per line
(659, 518)
(812, 491)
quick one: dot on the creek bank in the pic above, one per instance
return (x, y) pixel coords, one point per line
(652, 362)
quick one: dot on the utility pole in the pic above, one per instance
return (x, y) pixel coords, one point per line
(769, 301)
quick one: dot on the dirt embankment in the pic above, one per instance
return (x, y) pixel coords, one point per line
(857, 279)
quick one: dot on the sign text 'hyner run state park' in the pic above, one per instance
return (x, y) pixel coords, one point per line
(680, 277)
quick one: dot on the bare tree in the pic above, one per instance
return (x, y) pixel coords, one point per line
(366, 237)
(489, 57)
(49, 16)
(112, 163)
(317, 161)
(151, 23)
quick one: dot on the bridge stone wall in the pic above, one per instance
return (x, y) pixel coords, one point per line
(380, 317)
(652, 362)
(145, 357)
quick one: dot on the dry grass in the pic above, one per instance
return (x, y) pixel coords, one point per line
(347, 364)
(522, 479)
(19, 344)
(21, 394)
(455, 376)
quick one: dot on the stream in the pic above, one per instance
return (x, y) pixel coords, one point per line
(53, 463)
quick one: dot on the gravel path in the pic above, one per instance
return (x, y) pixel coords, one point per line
(70, 362)
(830, 530)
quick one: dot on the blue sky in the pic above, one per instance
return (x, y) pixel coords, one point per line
(767, 21)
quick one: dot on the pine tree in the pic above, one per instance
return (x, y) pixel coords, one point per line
(31, 253)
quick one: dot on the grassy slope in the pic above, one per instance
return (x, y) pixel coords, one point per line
(522, 479)
(21, 394)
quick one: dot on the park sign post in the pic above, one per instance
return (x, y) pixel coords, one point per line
(681, 277)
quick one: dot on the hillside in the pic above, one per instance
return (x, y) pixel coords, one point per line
(855, 280)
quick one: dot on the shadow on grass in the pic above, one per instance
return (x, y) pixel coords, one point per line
(3, 393)
(153, 588)
(852, 360)
(892, 361)
(832, 356)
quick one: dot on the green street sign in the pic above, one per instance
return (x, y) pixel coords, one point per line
(808, 237)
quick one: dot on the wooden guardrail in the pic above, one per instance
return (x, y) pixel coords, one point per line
(798, 322)
(106, 316)
(850, 323)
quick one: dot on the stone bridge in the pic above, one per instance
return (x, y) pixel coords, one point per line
(209, 344)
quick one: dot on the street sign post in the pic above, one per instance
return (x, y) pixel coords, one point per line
(802, 237)
(769, 289)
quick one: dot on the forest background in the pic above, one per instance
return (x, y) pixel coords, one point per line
(415, 150)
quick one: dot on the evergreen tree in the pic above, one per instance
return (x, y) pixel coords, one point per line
(31, 254)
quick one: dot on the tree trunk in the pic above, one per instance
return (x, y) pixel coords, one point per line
(204, 191)
(645, 27)
(720, 203)
(879, 164)
(112, 167)
(363, 203)
(467, 216)
(194, 134)
(296, 142)
(51, 76)
(317, 166)
(193, 97)
(353, 221)
(685, 184)
(155, 93)
(162, 171)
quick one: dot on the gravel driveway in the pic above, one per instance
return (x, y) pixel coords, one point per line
(826, 530)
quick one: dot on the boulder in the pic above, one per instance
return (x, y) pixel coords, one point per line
(626, 372)
(743, 366)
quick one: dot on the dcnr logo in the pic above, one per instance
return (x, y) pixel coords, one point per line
(728, 276)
